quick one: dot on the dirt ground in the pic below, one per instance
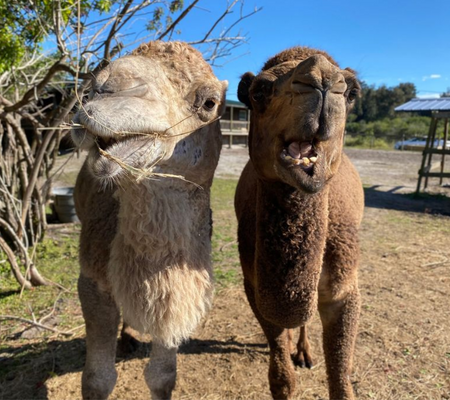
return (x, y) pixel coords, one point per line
(403, 345)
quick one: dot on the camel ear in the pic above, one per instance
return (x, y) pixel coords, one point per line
(243, 91)
(222, 108)
(353, 87)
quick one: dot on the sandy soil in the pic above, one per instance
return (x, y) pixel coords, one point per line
(403, 346)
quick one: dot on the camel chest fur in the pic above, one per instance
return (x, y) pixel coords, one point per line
(159, 268)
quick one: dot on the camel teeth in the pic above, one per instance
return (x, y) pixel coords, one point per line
(313, 159)
(295, 161)
(306, 161)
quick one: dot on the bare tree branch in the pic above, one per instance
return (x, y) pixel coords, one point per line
(113, 30)
(35, 323)
(177, 21)
(57, 67)
(225, 13)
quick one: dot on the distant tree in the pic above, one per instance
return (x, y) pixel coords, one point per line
(374, 118)
(385, 102)
(377, 103)
(446, 94)
(369, 102)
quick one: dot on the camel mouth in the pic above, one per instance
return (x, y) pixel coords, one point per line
(105, 143)
(300, 155)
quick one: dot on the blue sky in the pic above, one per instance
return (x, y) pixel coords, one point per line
(387, 42)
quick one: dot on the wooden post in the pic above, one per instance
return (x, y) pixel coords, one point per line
(231, 126)
(421, 170)
(248, 127)
(444, 147)
(430, 154)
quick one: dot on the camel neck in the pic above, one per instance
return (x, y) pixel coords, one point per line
(152, 216)
(287, 199)
(291, 231)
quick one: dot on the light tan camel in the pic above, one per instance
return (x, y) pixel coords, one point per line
(146, 238)
(299, 204)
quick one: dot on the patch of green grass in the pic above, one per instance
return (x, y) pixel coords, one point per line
(224, 240)
(427, 196)
(365, 142)
(424, 223)
(57, 261)
(222, 195)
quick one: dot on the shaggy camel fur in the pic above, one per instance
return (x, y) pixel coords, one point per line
(146, 236)
(299, 204)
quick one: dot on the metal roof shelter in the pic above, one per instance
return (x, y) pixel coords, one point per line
(429, 105)
(438, 109)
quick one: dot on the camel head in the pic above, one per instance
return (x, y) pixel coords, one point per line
(299, 102)
(157, 110)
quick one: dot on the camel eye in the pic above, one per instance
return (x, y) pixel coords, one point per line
(257, 97)
(352, 95)
(209, 105)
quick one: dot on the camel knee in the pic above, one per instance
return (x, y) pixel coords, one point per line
(337, 294)
(334, 303)
(96, 303)
(161, 371)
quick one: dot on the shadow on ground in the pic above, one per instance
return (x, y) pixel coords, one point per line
(393, 199)
(26, 368)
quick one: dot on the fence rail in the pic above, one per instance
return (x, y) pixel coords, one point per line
(238, 126)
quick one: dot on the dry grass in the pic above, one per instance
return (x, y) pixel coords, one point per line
(403, 347)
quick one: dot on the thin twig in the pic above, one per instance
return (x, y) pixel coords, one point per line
(436, 264)
(177, 21)
(34, 323)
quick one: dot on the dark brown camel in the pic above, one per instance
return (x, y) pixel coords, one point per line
(299, 203)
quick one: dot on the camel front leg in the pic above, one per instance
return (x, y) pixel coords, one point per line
(102, 320)
(340, 323)
(282, 378)
(161, 371)
(339, 307)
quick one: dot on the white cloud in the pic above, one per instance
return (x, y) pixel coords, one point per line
(425, 95)
(432, 76)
